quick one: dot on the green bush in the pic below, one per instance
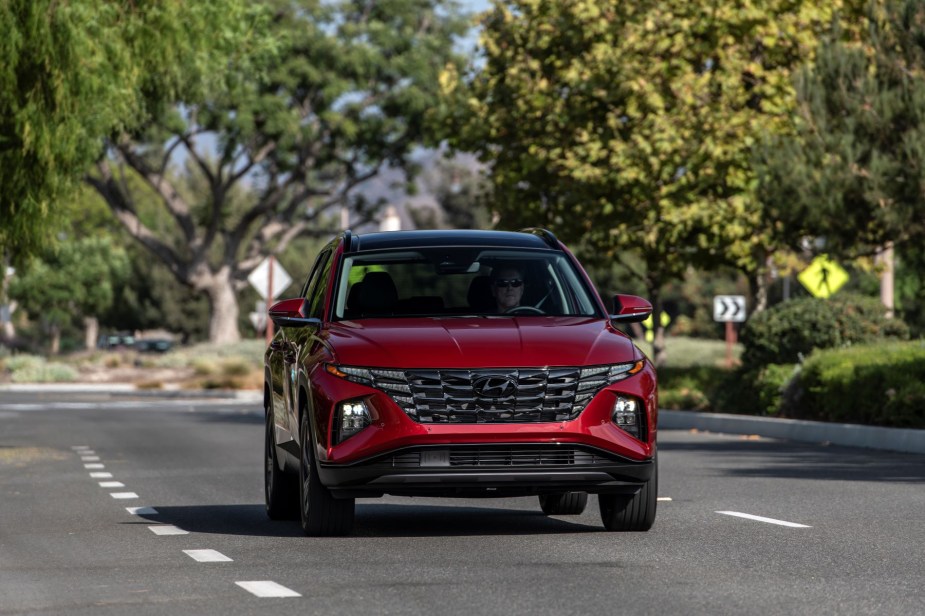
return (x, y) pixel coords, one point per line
(753, 391)
(688, 388)
(877, 384)
(788, 331)
(41, 372)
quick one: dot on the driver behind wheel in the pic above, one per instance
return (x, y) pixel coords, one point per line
(507, 287)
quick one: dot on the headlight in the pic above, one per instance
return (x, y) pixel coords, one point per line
(352, 416)
(627, 415)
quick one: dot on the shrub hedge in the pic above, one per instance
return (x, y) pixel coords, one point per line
(788, 331)
(878, 384)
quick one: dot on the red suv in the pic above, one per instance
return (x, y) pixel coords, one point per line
(456, 363)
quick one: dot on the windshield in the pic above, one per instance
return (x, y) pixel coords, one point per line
(455, 282)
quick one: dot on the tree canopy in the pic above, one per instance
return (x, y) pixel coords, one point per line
(628, 127)
(75, 72)
(853, 169)
(268, 159)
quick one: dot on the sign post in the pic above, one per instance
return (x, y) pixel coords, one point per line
(729, 309)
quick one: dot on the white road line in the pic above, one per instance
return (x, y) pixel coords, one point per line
(664, 499)
(86, 452)
(112, 484)
(207, 556)
(79, 447)
(758, 518)
(100, 475)
(267, 589)
(141, 510)
(123, 495)
(167, 529)
(90, 458)
(94, 465)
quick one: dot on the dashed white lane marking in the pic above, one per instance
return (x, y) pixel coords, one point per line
(664, 499)
(141, 510)
(112, 484)
(79, 447)
(758, 518)
(207, 556)
(100, 475)
(86, 452)
(267, 589)
(167, 529)
(90, 458)
(94, 465)
(123, 495)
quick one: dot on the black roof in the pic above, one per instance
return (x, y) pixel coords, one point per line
(420, 239)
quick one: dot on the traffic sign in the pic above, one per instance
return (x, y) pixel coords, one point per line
(823, 277)
(260, 278)
(729, 308)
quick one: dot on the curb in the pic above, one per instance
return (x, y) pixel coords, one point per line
(848, 435)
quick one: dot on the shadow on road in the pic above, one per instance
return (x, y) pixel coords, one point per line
(743, 457)
(373, 520)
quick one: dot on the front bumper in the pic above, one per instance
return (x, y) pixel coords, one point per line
(514, 469)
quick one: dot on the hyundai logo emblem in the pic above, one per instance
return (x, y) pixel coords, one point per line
(495, 386)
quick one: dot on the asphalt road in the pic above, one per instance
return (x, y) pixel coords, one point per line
(68, 545)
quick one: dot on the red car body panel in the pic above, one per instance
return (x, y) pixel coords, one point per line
(488, 342)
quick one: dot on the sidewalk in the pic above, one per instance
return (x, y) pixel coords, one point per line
(127, 389)
(848, 435)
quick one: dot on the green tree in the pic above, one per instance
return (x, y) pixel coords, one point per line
(627, 127)
(272, 158)
(74, 72)
(852, 171)
(72, 282)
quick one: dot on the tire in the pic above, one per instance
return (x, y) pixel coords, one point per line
(281, 489)
(564, 503)
(621, 512)
(322, 514)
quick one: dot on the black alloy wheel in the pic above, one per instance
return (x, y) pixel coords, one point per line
(281, 489)
(322, 514)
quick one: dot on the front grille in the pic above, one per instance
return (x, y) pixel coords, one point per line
(507, 456)
(523, 395)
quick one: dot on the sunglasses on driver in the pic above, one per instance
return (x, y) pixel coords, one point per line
(503, 283)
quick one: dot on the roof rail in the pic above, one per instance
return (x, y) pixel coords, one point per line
(544, 234)
(350, 241)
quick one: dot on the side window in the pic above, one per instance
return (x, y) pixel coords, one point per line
(317, 286)
(316, 271)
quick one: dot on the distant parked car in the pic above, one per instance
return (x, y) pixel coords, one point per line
(153, 346)
(457, 363)
(119, 340)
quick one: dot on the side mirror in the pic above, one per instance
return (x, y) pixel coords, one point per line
(630, 309)
(291, 313)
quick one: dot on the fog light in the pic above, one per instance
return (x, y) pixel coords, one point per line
(353, 416)
(626, 415)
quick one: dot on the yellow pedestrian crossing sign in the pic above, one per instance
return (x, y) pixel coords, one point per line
(823, 277)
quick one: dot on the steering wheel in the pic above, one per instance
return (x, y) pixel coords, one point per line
(526, 309)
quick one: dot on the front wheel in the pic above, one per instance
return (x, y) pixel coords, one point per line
(620, 512)
(322, 514)
(280, 488)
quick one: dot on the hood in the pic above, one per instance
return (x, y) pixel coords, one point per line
(488, 342)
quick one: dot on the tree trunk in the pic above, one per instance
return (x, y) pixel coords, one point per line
(55, 332)
(91, 332)
(885, 261)
(659, 352)
(223, 321)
